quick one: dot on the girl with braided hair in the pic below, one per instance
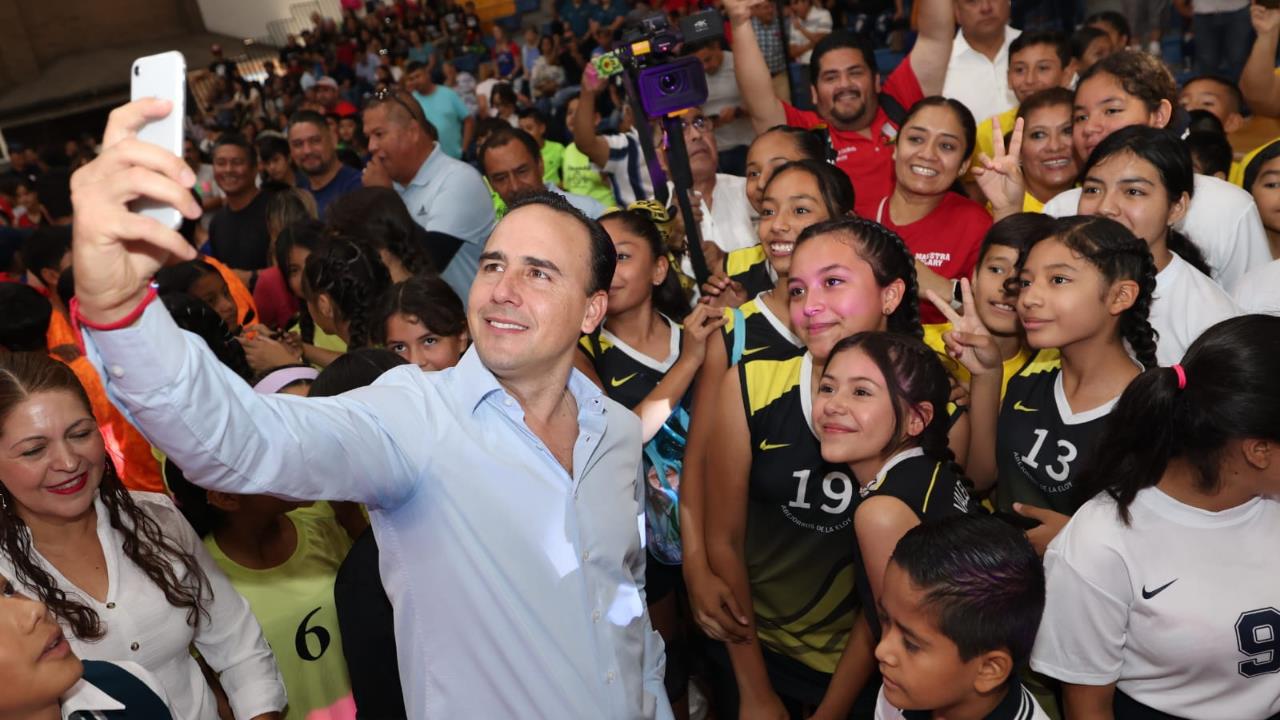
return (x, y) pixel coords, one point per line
(342, 282)
(122, 572)
(779, 537)
(1142, 178)
(880, 409)
(1084, 298)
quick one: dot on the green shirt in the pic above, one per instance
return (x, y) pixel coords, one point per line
(582, 178)
(552, 159)
(294, 604)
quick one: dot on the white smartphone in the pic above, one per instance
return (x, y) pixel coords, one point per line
(162, 76)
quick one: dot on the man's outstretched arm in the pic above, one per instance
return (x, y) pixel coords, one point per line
(208, 420)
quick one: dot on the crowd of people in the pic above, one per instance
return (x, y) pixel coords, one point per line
(424, 412)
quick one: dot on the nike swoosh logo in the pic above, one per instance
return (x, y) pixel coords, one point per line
(619, 382)
(1019, 406)
(753, 351)
(765, 445)
(1148, 594)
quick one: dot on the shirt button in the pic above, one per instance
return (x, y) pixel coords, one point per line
(507, 402)
(116, 371)
(609, 677)
(586, 556)
(134, 647)
(111, 606)
(595, 616)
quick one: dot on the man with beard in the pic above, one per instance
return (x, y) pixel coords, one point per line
(861, 114)
(314, 151)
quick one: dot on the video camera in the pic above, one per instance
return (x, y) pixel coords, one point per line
(666, 84)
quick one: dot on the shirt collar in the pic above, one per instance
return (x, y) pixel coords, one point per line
(477, 382)
(1010, 708)
(428, 166)
(962, 47)
(86, 697)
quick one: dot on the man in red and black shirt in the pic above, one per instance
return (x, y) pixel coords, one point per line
(846, 88)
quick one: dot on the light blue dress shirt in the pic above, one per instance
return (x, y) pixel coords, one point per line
(449, 196)
(518, 587)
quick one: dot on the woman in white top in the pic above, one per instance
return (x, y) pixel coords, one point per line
(123, 573)
(1141, 177)
(1161, 590)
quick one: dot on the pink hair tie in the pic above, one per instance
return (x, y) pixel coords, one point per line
(277, 380)
(1182, 376)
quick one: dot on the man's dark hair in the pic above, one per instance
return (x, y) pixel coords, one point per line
(414, 66)
(1060, 43)
(711, 42)
(1204, 121)
(1233, 90)
(532, 112)
(272, 146)
(840, 40)
(983, 580)
(603, 256)
(44, 248)
(406, 103)
(308, 116)
(502, 136)
(24, 323)
(1211, 151)
(237, 140)
(1116, 20)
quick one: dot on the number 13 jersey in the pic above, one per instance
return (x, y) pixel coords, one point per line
(1041, 445)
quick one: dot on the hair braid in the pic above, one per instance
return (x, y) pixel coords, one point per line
(1135, 323)
(352, 275)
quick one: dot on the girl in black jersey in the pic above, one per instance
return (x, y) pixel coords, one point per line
(779, 534)
(798, 195)
(749, 271)
(881, 409)
(644, 359)
(1085, 290)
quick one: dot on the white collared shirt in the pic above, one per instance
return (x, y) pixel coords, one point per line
(143, 627)
(728, 222)
(517, 587)
(981, 84)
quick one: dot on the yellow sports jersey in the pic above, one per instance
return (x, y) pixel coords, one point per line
(750, 267)
(933, 338)
(1031, 204)
(323, 340)
(799, 548)
(983, 143)
(294, 604)
(1238, 168)
(753, 332)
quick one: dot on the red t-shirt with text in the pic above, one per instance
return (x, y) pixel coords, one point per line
(868, 159)
(947, 240)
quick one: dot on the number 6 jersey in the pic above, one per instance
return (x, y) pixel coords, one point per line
(1180, 608)
(1041, 445)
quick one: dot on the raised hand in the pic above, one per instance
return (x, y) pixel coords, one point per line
(1000, 177)
(969, 341)
(721, 292)
(1266, 21)
(739, 11)
(699, 324)
(115, 251)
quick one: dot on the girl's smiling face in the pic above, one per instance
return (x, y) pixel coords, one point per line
(834, 294)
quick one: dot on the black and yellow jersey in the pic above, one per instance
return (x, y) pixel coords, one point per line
(799, 548)
(750, 267)
(753, 332)
(1041, 444)
(930, 487)
(629, 376)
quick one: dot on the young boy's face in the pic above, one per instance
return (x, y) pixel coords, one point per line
(922, 668)
(995, 306)
(1212, 96)
(1036, 68)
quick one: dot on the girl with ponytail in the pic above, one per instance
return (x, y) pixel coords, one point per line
(1142, 178)
(881, 409)
(342, 281)
(1084, 295)
(1164, 583)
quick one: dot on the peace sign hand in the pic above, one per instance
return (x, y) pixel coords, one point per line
(1001, 177)
(969, 341)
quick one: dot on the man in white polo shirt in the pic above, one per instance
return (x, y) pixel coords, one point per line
(978, 72)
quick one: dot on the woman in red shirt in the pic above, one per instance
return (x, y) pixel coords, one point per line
(941, 227)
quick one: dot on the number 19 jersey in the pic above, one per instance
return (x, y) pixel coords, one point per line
(1041, 445)
(799, 547)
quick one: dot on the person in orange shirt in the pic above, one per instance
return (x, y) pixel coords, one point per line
(23, 328)
(46, 254)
